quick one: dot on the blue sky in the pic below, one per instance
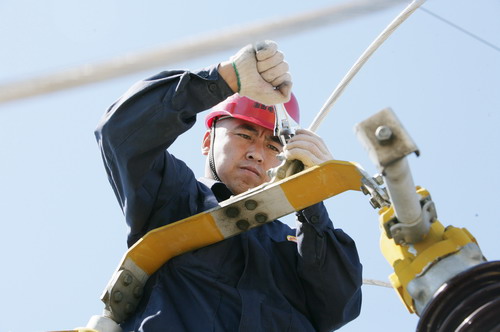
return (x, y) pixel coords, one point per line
(63, 231)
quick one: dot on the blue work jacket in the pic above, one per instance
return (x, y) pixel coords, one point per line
(270, 278)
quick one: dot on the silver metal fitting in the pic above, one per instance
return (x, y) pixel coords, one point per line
(383, 134)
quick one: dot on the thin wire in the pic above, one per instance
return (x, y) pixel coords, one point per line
(470, 34)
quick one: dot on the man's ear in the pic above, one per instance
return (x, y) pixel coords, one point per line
(205, 145)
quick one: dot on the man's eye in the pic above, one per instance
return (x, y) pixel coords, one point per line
(272, 147)
(245, 136)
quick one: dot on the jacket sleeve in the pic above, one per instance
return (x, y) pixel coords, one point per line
(329, 268)
(137, 129)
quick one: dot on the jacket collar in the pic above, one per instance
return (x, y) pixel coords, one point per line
(220, 190)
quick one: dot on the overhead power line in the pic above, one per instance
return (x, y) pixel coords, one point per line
(459, 28)
(189, 49)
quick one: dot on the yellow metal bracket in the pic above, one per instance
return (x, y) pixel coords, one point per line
(411, 261)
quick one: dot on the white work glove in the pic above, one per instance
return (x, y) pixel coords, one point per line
(262, 73)
(307, 147)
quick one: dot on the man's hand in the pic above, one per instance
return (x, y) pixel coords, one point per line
(262, 73)
(307, 147)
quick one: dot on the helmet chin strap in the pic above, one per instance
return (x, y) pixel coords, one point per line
(211, 159)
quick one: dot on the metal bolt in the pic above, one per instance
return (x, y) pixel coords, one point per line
(117, 296)
(379, 179)
(375, 204)
(261, 218)
(127, 279)
(129, 308)
(251, 204)
(242, 224)
(138, 292)
(383, 134)
(232, 212)
(364, 190)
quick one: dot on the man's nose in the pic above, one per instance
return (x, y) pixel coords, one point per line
(255, 152)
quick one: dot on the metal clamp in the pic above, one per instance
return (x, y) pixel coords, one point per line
(373, 186)
(404, 233)
(284, 125)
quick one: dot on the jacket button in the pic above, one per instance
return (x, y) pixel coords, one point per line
(212, 87)
(314, 219)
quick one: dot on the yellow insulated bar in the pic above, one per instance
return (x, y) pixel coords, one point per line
(230, 218)
(301, 190)
(320, 182)
(161, 244)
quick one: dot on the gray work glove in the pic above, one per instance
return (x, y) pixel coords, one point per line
(262, 73)
(307, 147)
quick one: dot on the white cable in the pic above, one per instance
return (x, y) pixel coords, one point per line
(362, 60)
(373, 282)
(188, 49)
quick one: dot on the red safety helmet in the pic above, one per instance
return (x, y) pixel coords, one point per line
(246, 109)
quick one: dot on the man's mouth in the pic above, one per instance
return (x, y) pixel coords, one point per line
(251, 169)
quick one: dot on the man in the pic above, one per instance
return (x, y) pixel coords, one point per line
(270, 278)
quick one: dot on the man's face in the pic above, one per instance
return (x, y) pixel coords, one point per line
(243, 152)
